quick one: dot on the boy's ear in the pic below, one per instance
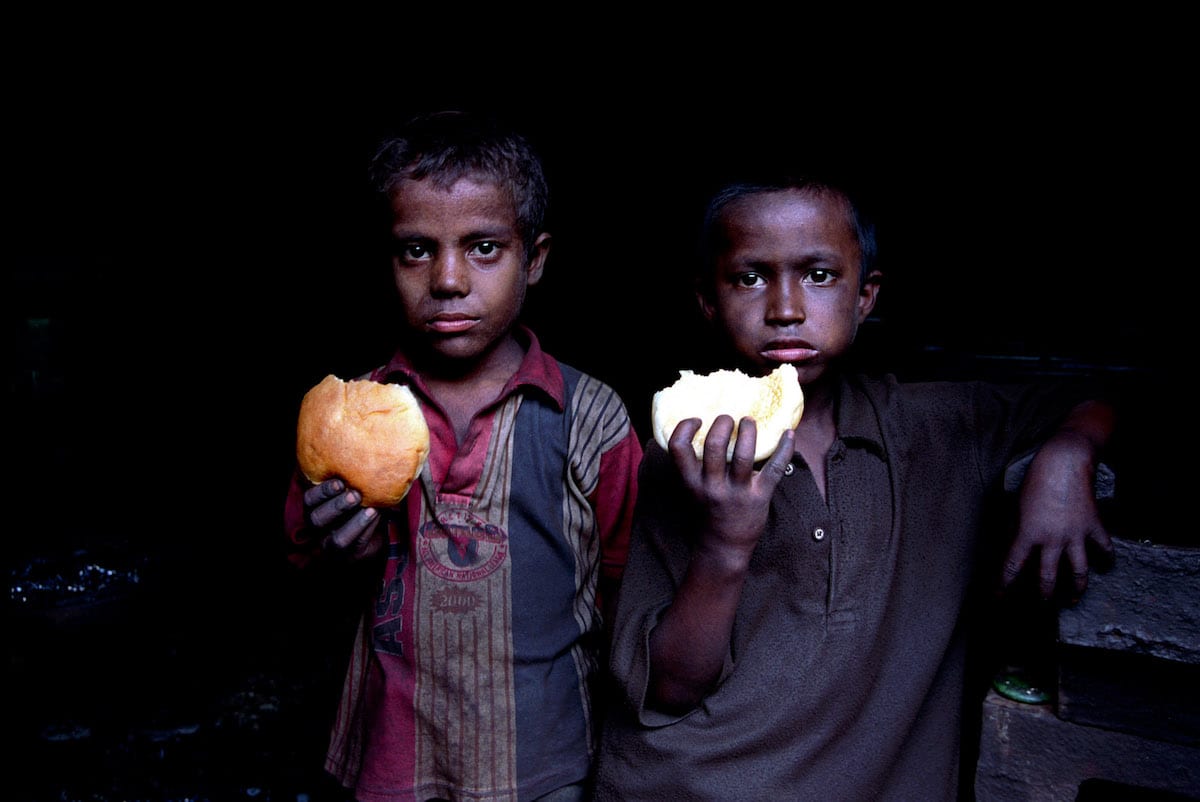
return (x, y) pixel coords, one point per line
(537, 262)
(703, 291)
(868, 293)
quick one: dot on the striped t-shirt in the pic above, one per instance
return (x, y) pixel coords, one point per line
(471, 674)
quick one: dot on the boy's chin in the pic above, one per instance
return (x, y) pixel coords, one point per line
(444, 350)
(752, 366)
(807, 372)
(757, 365)
(454, 354)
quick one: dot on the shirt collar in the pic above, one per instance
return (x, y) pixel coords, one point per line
(858, 418)
(538, 370)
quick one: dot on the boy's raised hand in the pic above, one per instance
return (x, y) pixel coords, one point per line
(348, 529)
(734, 496)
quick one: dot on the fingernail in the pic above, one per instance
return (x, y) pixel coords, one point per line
(369, 513)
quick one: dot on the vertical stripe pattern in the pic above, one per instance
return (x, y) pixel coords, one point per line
(464, 695)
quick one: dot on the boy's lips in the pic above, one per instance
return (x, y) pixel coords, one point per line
(789, 351)
(451, 323)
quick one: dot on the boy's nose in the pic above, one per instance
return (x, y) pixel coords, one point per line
(450, 276)
(786, 302)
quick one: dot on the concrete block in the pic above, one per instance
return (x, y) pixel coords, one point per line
(1028, 754)
(1147, 603)
(1128, 654)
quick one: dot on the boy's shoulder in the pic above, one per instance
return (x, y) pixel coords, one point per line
(584, 393)
(898, 410)
(937, 392)
(577, 384)
(889, 391)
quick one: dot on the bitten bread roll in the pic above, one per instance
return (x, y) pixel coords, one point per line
(774, 401)
(371, 435)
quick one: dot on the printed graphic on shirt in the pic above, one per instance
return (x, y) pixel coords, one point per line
(389, 607)
(459, 546)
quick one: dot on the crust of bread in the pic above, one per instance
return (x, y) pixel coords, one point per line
(371, 435)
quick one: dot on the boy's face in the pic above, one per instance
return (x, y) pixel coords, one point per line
(459, 266)
(786, 287)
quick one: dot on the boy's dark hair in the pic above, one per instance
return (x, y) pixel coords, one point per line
(446, 146)
(711, 238)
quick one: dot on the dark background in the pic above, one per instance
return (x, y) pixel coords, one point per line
(187, 252)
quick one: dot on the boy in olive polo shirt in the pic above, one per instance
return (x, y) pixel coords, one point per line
(795, 630)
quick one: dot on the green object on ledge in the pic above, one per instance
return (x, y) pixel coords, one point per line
(1012, 683)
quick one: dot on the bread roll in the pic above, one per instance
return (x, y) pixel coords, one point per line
(371, 435)
(774, 401)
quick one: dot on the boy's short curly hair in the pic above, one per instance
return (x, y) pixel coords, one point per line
(446, 146)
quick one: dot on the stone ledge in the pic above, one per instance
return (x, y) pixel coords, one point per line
(1028, 754)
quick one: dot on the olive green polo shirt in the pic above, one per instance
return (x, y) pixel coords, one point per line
(845, 675)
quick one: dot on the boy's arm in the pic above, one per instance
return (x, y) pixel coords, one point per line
(613, 501)
(1057, 508)
(689, 646)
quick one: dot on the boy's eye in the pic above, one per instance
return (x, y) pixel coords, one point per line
(486, 248)
(413, 251)
(819, 276)
(748, 279)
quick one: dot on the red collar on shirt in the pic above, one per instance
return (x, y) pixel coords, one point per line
(537, 370)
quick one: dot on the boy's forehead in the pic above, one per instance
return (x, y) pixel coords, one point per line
(795, 216)
(785, 205)
(464, 198)
(458, 187)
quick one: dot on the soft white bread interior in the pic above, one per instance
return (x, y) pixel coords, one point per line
(774, 401)
(371, 435)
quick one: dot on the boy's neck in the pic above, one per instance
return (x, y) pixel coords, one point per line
(817, 429)
(820, 401)
(463, 389)
(499, 363)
